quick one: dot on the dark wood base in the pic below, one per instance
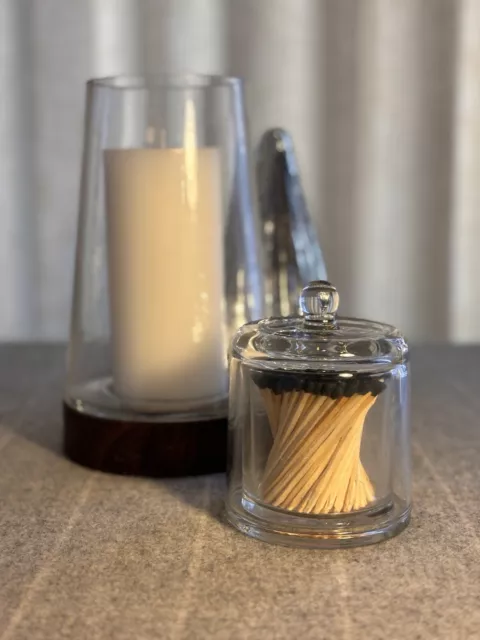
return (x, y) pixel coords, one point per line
(145, 448)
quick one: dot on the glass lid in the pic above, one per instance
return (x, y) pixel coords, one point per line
(319, 338)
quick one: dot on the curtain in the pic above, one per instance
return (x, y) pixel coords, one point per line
(382, 99)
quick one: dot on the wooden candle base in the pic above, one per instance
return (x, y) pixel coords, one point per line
(145, 448)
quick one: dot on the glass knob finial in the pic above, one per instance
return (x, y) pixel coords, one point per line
(319, 302)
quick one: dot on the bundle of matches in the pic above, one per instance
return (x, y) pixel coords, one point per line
(317, 423)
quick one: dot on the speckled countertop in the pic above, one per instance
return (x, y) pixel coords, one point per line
(88, 555)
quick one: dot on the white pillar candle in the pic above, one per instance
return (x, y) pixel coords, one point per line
(165, 245)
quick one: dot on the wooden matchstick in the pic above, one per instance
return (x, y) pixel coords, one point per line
(314, 464)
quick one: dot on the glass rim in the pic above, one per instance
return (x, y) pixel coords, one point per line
(132, 82)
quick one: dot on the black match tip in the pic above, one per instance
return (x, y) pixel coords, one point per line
(330, 385)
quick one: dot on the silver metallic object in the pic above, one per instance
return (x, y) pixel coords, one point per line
(293, 256)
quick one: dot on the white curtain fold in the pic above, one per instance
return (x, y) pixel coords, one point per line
(401, 198)
(381, 97)
(464, 284)
(19, 250)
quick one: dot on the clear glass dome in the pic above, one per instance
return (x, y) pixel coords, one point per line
(167, 268)
(319, 340)
(319, 427)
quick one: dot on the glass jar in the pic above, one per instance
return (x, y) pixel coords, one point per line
(167, 269)
(319, 444)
